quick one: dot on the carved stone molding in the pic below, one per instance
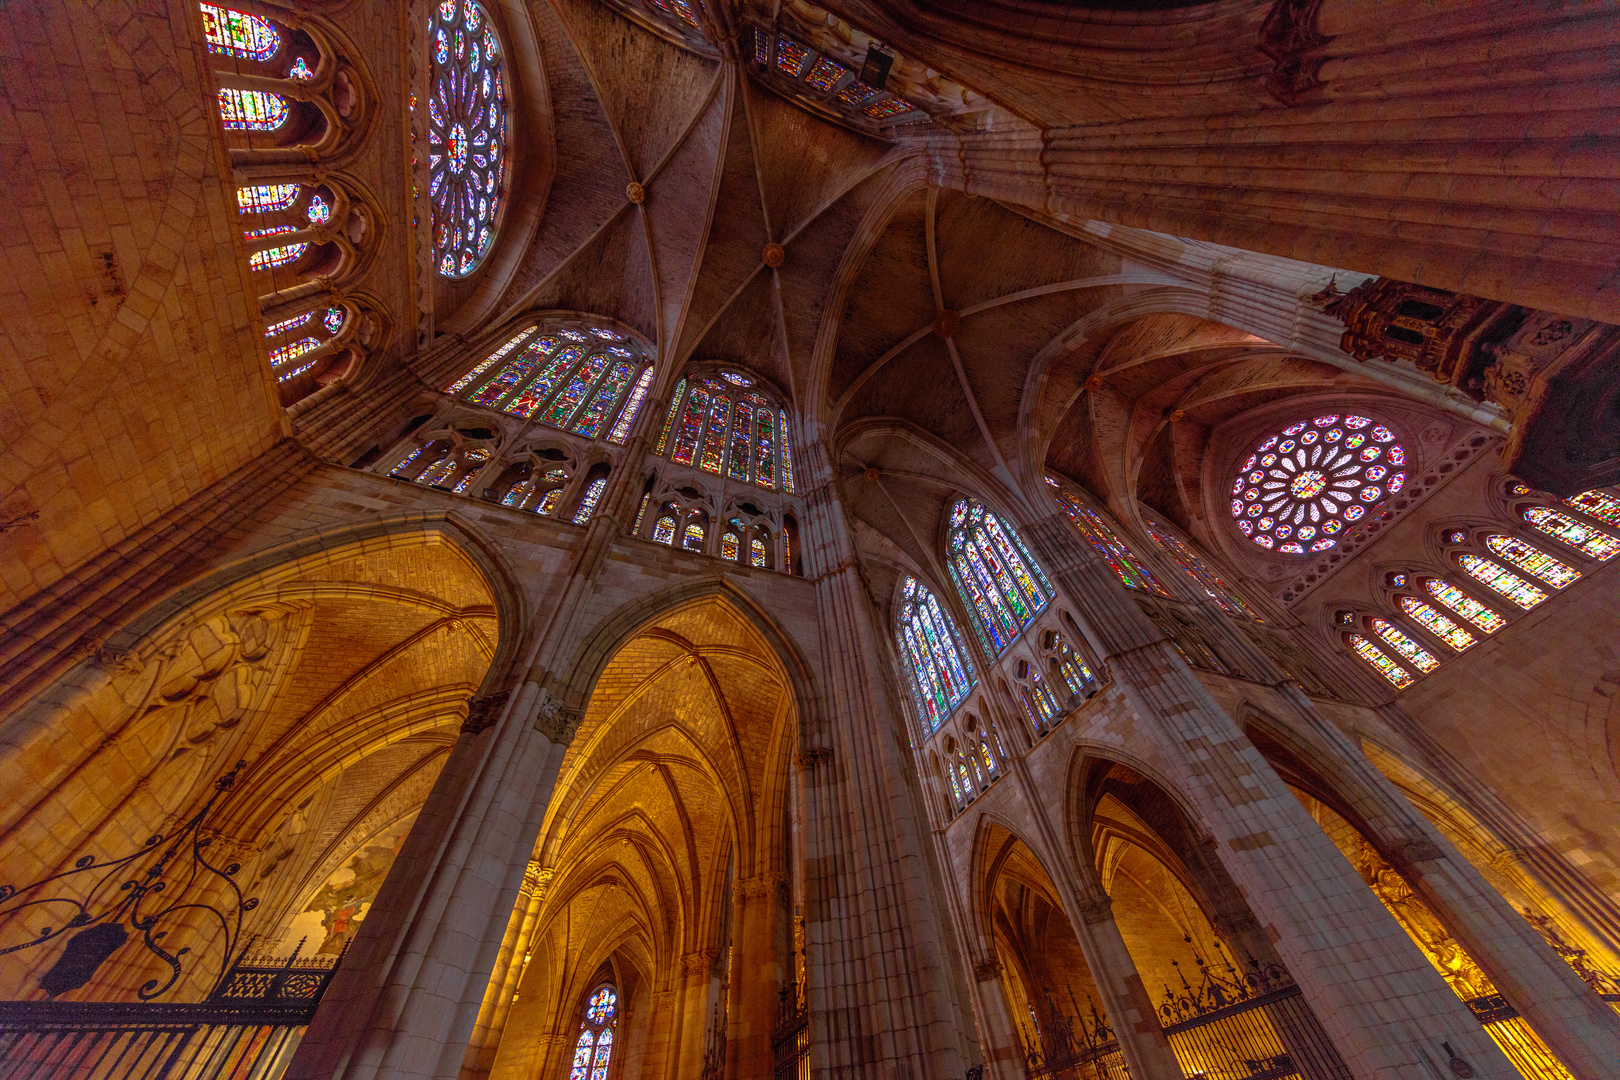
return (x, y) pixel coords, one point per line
(987, 969)
(482, 712)
(536, 880)
(772, 883)
(1287, 36)
(698, 963)
(555, 719)
(1096, 908)
(809, 757)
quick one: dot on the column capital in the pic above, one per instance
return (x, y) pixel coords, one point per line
(1095, 907)
(700, 962)
(536, 880)
(987, 969)
(555, 719)
(484, 710)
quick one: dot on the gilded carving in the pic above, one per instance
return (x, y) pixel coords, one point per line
(1455, 965)
(536, 881)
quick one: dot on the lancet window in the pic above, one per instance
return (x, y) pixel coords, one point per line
(1206, 579)
(443, 464)
(1597, 503)
(999, 582)
(1380, 662)
(591, 381)
(467, 132)
(1103, 540)
(1554, 572)
(588, 501)
(1072, 675)
(1588, 540)
(1498, 577)
(1460, 602)
(726, 424)
(937, 669)
(593, 1048)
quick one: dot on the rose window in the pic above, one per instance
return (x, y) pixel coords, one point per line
(466, 136)
(1305, 484)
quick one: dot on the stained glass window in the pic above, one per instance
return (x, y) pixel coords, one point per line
(692, 536)
(854, 94)
(1188, 559)
(332, 320)
(1537, 562)
(236, 33)
(985, 755)
(319, 212)
(1303, 485)
(736, 438)
(466, 135)
(1421, 658)
(468, 378)
(756, 551)
(1599, 504)
(627, 415)
(1560, 526)
(882, 110)
(790, 56)
(664, 530)
(587, 505)
(265, 198)
(593, 1050)
(1464, 605)
(277, 328)
(563, 385)
(931, 650)
(728, 545)
(270, 258)
(1381, 663)
(252, 110)
(1108, 545)
(1000, 583)
(950, 774)
(669, 417)
(824, 73)
(1073, 668)
(641, 512)
(1436, 623)
(1503, 580)
(291, 351)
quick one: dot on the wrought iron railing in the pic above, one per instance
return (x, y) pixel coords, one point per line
(1072, 1045)
(1517, 1039)
(178, 898)
(1251, 1024)
(790, 1035)
(246, 1030)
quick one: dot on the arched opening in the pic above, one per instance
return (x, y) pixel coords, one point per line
(1050, 995)
(327, 689)
(1225, 1000)
(664, 855)
(1425, 925)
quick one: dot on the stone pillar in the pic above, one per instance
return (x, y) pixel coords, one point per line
(508, 973)
(1385, 1007)
(999, 1042)
(756, 974)
(885, 999)
(406, 998)
(1570, 1017)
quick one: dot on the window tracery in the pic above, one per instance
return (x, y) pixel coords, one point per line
(593, 1049)
(1498, 577)
(1189, 560)
(590, 384)
(729, 428)
(1463, 604)
(444, 464)
(1597, 503)
(1537, 562)
(1396, 675)
(1437, 624)
(938, 672)
(587, 502)
(1103, 540)
(1420, 657)
(1588, 540)
(999, 582)
(1302, 485)
(466, 136)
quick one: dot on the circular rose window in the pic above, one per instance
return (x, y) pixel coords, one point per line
(466, 136)
(1304, 484)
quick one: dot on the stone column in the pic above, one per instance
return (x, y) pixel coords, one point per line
(884, 997)
(508, 973)
(756, 974)
(999, 1042)
(405, 1000)
(1385, 1007)
(1570, 1017)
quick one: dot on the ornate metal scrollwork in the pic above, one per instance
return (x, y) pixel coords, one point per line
(1216, 991)
(104, 912)
(1062, 1041)
(1605, 983)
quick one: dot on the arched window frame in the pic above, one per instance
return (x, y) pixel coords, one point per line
(596, 1039)
(1105, 540)
(941, 677)
(447, 461)
(739, 431)
(1204, 578)
(1068, 669)
(536, 482)
(1001, 586)
(588, 379)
